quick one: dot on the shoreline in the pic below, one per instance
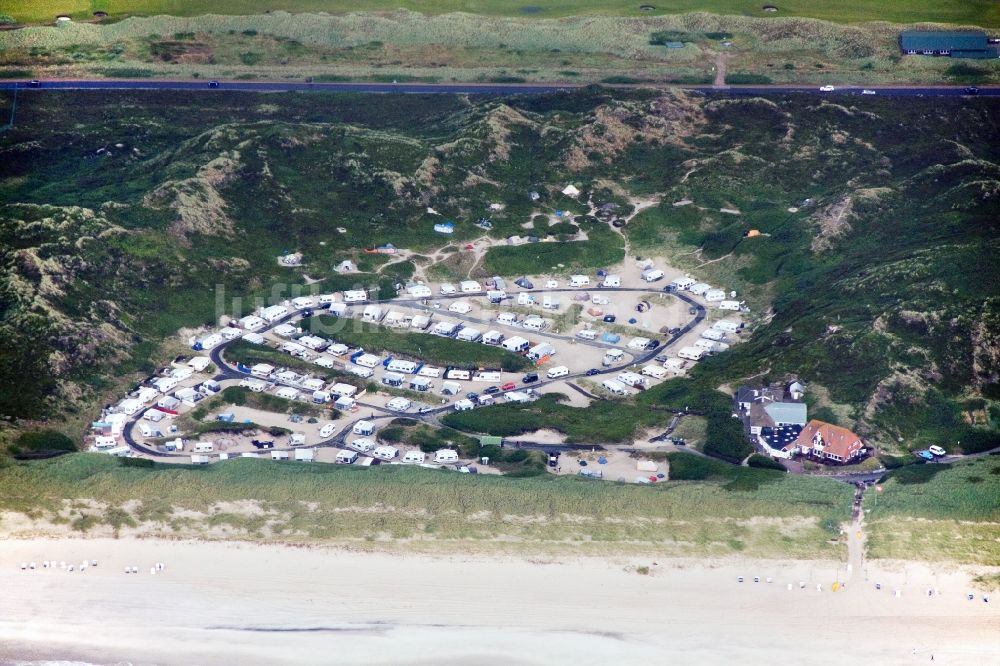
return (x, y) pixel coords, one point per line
(229, 602)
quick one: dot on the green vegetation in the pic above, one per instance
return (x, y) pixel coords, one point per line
(603, 248)
(976, 12)
(240, 396)
(428, 348)
(42, 442)
(426, 509)
(763, 462)
(946, 512)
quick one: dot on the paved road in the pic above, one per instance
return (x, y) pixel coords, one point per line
(227, 371)
(471, 88)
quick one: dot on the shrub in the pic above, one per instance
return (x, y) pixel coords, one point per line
(763, 462)
(745, 78)
(916, 473)
(43, 441)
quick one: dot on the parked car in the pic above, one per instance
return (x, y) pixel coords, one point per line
(213, 84)
(866, 91)
(937, 450)
(610, 319)
(490, 390)
(592, 372)
(827, 89)
(34, 83)
(553, 459)
(692, 311)
(509, 386)
(652, 344)
(972, 90)
(674, 331)
(925, 455)
(529, 378)
(471, 395)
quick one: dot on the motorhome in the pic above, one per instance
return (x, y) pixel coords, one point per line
(711, 345)
(372, 313)
(682, 283)
(632, 379)
(484, 400)
(312, 383)
(305, 455)
(363, 428)
(612, 356)
(199, 460)
(515, 344)
(393, 379)
(359, 371)
(615, 387)
(363, 444)
(355, 296)
(541, 351)
(612, 281)
(414, 456)
(492, 337)
(345, 457)
(728, 326)
(368, 361)
(470, 287)
(419, 291)
(468, 334)
(691, 353)
(654, 371)
(587, 334)
(385, 452)
(287, 392)
(445, 456)
(652, 275)
(507, 318)
(579, 281)
(534, 323)
(279, 455)
(460, 307)
(273, 313)
(445, 329)
(556, 372)
(399, 365)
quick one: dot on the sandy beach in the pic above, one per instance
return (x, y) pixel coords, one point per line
(225, 603)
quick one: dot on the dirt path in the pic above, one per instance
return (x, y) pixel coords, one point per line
(721, 64)
(856, 538)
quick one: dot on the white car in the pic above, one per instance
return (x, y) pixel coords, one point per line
(327, 430)
(866, 91)
(827, 89)
(936, 450)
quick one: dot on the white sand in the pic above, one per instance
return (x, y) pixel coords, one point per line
(220, 603)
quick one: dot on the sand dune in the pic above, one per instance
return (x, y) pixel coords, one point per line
(225, 603)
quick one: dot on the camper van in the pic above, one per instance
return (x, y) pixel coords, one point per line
(556, 372)
(445, 456)
(385, 452)
(457, 373)
(587, 334)
(414, 456)
(691, 353)
(405, 367)
(363, 444)
(345, 457)
(355, 296)
(359, 371)
(612, 281)
(615, 387)
(515, 344)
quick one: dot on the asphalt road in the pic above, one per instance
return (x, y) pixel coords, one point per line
(469, 88)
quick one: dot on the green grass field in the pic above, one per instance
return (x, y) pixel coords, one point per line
(948, 512)
(980, 12)
(434, 510)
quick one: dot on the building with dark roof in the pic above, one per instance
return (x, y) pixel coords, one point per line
(953, 43)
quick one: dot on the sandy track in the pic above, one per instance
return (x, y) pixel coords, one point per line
(228, 603)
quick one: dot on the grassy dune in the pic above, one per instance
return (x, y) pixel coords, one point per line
(981, 12)
(764, 514)
(944, 512)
